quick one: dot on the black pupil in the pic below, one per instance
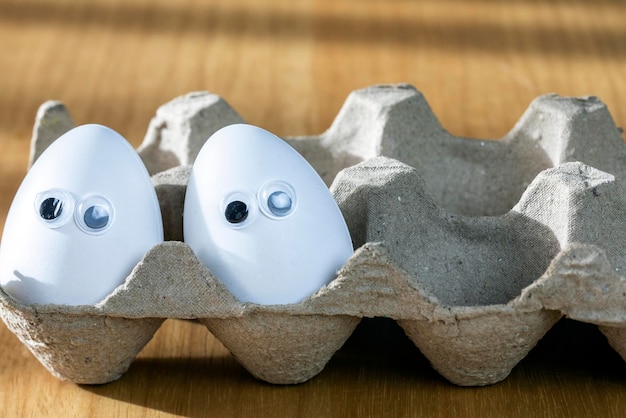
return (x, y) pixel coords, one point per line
(51, 208)
(236, 212)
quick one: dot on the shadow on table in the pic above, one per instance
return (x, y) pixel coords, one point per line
(575, 350)
(378, 371)
(378, 353)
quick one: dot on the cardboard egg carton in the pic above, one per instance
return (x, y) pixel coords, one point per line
(476, 248)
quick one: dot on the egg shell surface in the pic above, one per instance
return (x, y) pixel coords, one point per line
(73, 259)
(269, 258)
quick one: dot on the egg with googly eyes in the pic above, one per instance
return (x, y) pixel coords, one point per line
(83, 217)
(261, 219)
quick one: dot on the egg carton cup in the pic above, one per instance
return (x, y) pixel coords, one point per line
(475, 248)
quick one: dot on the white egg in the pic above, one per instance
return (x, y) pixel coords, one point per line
(83, 217)
(261, 219)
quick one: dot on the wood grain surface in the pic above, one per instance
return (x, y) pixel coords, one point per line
(288, 66)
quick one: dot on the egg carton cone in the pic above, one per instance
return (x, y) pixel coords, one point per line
(476, 248)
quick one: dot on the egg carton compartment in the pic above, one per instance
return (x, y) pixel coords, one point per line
(475, 248)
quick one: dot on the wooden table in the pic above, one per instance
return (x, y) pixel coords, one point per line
(288, 66)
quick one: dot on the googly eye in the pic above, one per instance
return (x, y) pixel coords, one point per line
(94, 214)
(236, 212)
(277, 200)
(54, 207)
(51, 208)
(238, 209)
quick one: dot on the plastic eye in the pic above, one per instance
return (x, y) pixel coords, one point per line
(51, 208)
(94, 214)
(279, 203)
(96, 217)
(238, 209)
(277, 200)
(54, 207)
(236, 212)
